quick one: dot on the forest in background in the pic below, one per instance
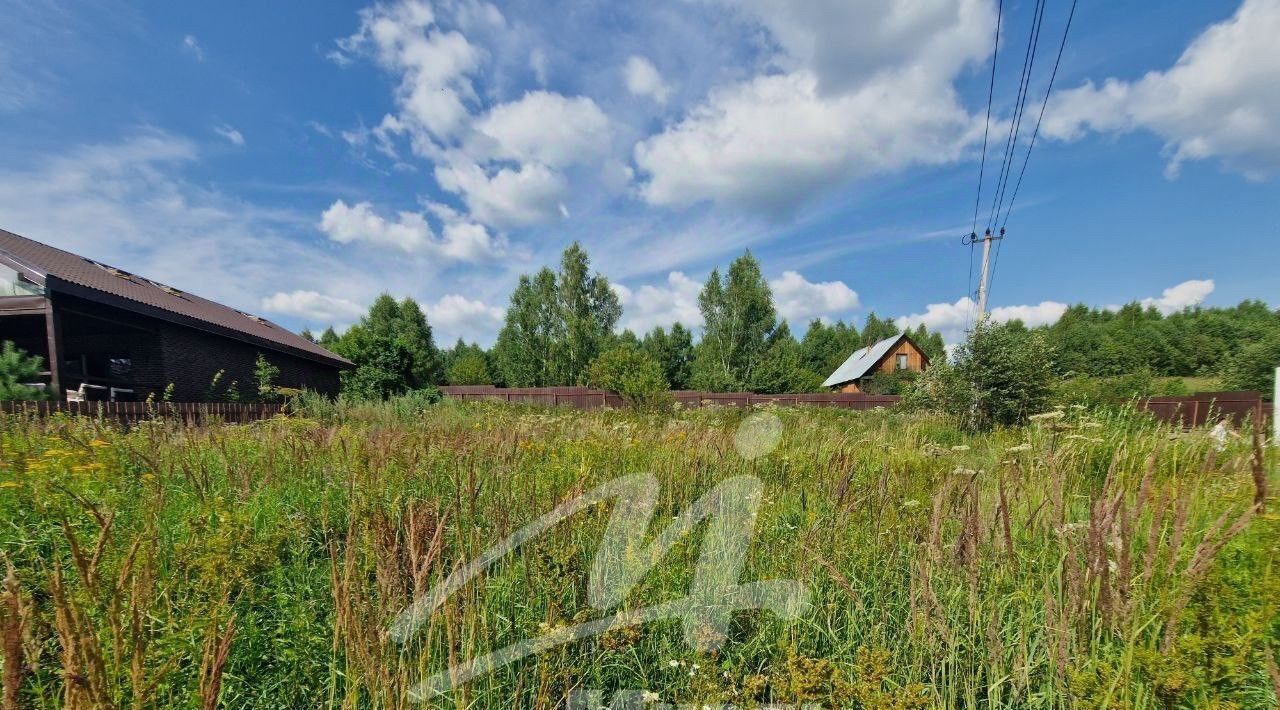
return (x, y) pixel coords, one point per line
(560, 323)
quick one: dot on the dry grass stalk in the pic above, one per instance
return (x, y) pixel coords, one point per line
(1002, 512)
(1205, 552)
(213, 660)
(14, 612)
(83, 670)
(840, 580)
(1273, 671)
(1259, 469)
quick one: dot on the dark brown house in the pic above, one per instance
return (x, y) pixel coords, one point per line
(893, 354)
(108, 334)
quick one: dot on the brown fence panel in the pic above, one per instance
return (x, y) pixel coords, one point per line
(1207, 407)
(129, 413)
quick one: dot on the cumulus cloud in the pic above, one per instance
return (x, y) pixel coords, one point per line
(232, 135)
(546, 128)
(1184, 295)
(312, 307)
(526, 195)
(650, 305)
(1217, 101)
(455, 316)
(126, 203)
(347, 224)
(433, 64)
(845, 108)
(409, 232)
(799, 300)
(505, 162)
(643, 79)
(951, 319)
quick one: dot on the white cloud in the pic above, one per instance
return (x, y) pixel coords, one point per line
(526, 195)
(312, 307)
(409, 232)
(455, 316)
(643, 79)
(848, 43)
(1184, 295)
(127, 204)
(951, 319)
(1218, 100)
(348, 224)
(799, 300)
(433, 64)
(192, 45)
(547, 128)
(231, 134)
(506, 162)
(844, 107)
(650, 305)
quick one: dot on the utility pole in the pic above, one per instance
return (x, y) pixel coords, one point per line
(986, 268)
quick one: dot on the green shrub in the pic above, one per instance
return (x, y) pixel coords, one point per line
(414, 402)
(1253, 367)
(16, 370)
(897, 382)
(632, 373)
(312, 404)
(1002, 374)
(471, 368)
(265, 374)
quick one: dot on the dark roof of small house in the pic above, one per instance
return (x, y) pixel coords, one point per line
(154, 298)
(865, 359)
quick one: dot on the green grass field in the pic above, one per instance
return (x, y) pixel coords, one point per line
(1084, 561)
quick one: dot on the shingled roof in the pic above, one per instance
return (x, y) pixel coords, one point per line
(62, 271)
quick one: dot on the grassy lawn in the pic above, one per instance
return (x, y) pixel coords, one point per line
(1084, 561)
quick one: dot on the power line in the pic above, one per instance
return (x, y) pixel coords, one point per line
(1034, 134)
(1020, 103)
(982, 166)
(1053, 75)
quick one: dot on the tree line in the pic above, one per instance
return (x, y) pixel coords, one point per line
(561, 328)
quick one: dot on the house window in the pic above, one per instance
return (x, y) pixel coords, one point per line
(902, 361)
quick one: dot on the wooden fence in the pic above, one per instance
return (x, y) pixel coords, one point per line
(192, 413)
(1207, 407)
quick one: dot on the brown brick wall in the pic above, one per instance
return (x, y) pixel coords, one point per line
(165, 353)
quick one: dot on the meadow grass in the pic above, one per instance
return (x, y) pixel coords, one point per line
(1088, 560)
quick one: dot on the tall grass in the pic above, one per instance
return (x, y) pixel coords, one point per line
(1085, 561)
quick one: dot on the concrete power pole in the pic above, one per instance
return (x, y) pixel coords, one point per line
(986, 271)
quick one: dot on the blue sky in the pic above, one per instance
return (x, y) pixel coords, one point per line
(295, 160)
